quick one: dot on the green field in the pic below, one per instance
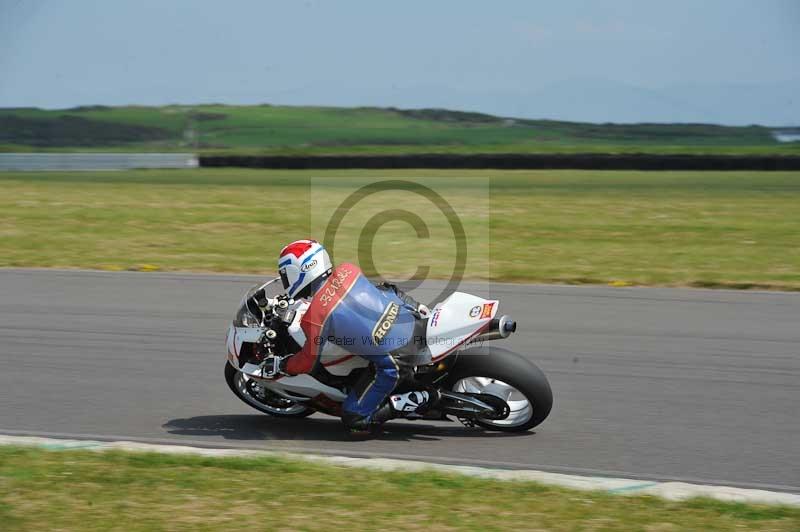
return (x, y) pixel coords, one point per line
(717, 229)
(265, 129)
(80, 490)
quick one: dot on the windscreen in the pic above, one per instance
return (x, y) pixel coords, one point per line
(250, 317)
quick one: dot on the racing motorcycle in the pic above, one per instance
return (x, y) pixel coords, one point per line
(483, 386)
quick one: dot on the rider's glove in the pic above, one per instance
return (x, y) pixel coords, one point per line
(423, 311)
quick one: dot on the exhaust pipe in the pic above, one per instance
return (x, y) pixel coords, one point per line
(499, 328)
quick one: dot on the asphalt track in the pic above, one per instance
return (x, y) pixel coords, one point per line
(664, 384)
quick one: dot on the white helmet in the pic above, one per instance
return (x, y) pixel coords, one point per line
(303, 265)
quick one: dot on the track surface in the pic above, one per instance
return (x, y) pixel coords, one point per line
(648, 383)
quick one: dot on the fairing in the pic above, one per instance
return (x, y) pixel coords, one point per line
(457, 319)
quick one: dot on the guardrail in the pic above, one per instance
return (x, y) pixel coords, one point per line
(589, 161)
(94, 161)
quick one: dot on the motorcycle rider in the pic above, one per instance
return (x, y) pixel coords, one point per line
(375, 322)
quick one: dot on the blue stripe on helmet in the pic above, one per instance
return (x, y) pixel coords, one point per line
(311, 256)
(297, 283)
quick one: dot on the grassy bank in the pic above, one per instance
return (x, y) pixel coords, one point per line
(737, 229)
(74, 490)
(265, 129)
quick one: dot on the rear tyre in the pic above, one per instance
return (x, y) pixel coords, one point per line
(505, 374)
(261, 398)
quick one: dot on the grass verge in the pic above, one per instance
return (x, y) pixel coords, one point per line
(80, 490)
(709, 229)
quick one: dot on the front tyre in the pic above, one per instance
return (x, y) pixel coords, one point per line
(262, 399)
(509, 376)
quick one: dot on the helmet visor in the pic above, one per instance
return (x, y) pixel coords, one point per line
(284, 279)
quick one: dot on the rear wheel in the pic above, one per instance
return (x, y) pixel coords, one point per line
(261, 398)
(506, 375)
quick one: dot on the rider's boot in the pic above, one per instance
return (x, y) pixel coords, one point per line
(417, 402)
(398, 405)
(406, 405)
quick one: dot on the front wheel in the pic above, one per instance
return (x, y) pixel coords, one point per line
(509, 376)
(261, 398)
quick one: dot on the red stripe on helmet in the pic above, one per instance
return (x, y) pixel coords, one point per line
(297, 248)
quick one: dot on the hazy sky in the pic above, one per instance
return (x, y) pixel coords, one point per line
(727, 61)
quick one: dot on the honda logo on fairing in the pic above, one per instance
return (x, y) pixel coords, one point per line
(308, 266)
(385, 323)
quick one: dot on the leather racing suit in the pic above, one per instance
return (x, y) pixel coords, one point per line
(372, 321)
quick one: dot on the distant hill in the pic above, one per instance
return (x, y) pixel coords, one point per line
(315, 130)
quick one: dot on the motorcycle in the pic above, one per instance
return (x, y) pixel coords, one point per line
(488, 387)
